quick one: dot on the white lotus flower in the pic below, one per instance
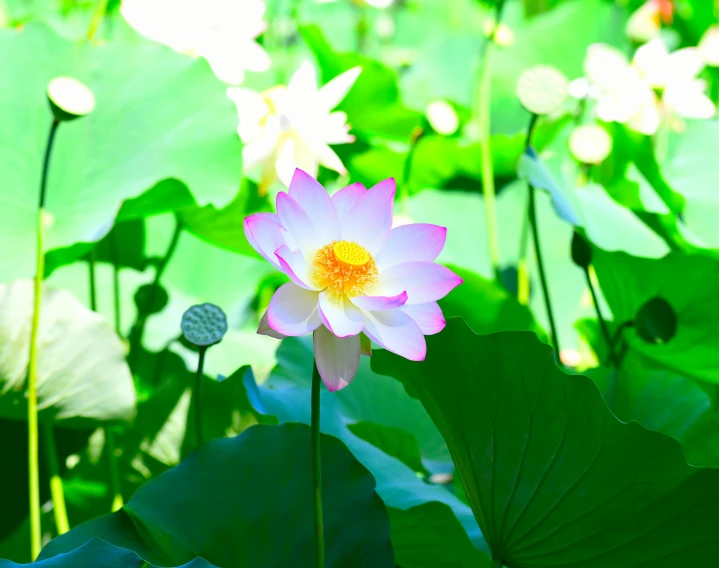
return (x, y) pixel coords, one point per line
(626, 92)
(221, 31)
(291, 127)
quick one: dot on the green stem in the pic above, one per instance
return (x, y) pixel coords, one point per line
(602, 322)
(138, 327)
(407, 170)
(32, 426)
(484, 119)
(540, 266)
(117, 500)
(317, 468)
(115, 283)
(613, 356)
(198, 388)
(91, 280)
(97, 19)
(58, 496)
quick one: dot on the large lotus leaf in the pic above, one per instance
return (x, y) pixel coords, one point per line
(158, 115)
(247, 501)
(429, 535)
(82, 373)
(100, 554)
(663, 400)
(690, 169)
(285, 395)
(552, 476)
(628, 283)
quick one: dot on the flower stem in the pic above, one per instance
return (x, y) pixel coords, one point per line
(117, 500)
(138, 328)
(317, 468)
(58, 496)
(540, 266)
(484, 119)
(32, 426)
(600, 317)
(407, 169)
(97, 19)
(198, 387)
(115, 284)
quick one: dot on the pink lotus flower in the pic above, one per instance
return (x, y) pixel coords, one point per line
(350, 273)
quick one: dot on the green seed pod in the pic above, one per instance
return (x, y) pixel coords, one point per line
(69, 98)
(151, 299)
(656, 321)
(204, 325)
(581, 251)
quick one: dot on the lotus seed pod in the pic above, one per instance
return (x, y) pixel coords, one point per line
(69, 98)
(542, 89)
(204, 325)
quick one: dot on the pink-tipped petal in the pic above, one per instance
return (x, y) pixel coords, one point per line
(370, 220)
(313, 198)
(380, 303)
(427, 316)
(296, 267)
(397, 332)
(412, 243)
(298, 224)
(293, 310)
(340, 316)
(346, 198)
(423, 281)
(264, 232)
(265, 329)
(337, 358)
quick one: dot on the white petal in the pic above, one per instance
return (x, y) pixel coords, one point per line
(346, 198)
(413, 242)
(294, 265)
(304, 80)
(337, 358)
(423, 281)
(397, 332)
(293, 310)
(313, 198)
(298, 224)
(370, 220)
(339, 315)
(333, 92)
(380, 303)
(427, 316)
(265, 329)
(264, 232)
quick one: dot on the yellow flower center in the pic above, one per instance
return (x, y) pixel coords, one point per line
(344, 267)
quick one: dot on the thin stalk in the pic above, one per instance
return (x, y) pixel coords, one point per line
(96, 19)
(138, 327)
(91, 280)
(115, 284)
(602, 322)
(58, 496)
(407, 170)
(117, 500)
(486, 166)
(523, 288)
(613, 356)
(317, 468)
(540, 266)
(537, 246)
(198, 388)
(32, 426)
